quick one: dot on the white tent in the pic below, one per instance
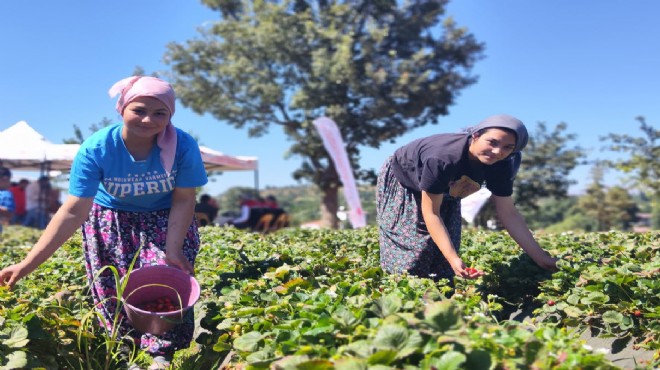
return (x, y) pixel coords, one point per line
(22, 147)
(217, 161)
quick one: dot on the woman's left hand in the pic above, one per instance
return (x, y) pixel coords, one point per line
(473, 273)
(176, 258)
(548, 263)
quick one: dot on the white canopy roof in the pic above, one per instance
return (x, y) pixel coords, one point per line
(22, 147)
(217, 161)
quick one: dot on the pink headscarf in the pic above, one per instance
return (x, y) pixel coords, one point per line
(132, 87)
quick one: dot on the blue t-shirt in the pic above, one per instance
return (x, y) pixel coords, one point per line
(105, 170)
(6, 201)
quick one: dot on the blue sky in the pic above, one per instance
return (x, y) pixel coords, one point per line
(594, 65)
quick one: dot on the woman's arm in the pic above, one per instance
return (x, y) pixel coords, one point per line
(431, 212)
(180, 218)
(515, 224)
(65, 222)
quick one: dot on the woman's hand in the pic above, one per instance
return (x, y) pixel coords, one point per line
(176, 258)
(465, 272)
(64, 223)
(473, 273)
(547, 262)
(10, 275)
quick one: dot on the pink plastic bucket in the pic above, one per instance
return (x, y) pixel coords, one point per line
(149, 283)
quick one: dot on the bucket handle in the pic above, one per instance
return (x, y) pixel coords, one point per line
(165, 286)
(177, 322)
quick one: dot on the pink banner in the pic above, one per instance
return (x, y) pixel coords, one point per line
(335, 146)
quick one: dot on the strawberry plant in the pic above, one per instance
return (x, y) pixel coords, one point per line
(609, 286)
(317, 299)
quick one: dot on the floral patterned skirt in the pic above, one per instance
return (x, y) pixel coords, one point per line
(405, 243)
(113, 238)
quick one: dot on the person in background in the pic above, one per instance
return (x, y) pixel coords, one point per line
(53, 202)
(206, 205)
(18, 190)
(420, 187)
(247, 202)
(271, 202)
(36, 200)
(132, 188)
(6, 198)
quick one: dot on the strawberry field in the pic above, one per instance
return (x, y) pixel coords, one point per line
(317, 299)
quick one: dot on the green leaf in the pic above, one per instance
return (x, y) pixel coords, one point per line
(316, 364)
(345, 317)
(612, 317)
(382, 357)
(222, 344)
(572, 311)
(360, 348)
(17, 360)
(289, 362)
(573, 299)
(531, 351)
(478, 359)
(373, 272)
(387, 305)
(413, 345)
(351, 363)
(249, 311)
(595, 298)
(319, 330)
(260, 358)
(391, 337)
(18, 338)
(443, 315)
(451, 360)
(248, 342)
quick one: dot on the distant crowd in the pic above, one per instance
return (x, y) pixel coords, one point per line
(33, 203)
(256, 213)
(25, 202)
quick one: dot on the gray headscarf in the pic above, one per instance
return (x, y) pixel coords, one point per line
(504, 121)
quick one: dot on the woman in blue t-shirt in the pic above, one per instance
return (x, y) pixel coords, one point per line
(419, 195)
(132, 187)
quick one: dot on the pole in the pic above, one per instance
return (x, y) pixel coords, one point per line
(256, 180)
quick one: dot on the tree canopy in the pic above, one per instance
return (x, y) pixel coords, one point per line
(377, 68)
(547, 161)
(641, 164)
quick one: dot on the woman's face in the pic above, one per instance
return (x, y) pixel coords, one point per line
(144, 118)
(492, 145)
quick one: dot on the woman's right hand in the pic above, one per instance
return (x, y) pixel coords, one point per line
(9, 276)
(465, 272)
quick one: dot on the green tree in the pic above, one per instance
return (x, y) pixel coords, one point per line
(377, 68)
(592, 202)
(642, 164)
(547, 161)
(79, 137)
(620, 207)
(552, 211)
(612, 209)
